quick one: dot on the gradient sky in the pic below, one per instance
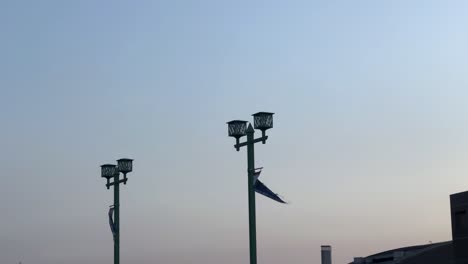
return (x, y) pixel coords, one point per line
(369, 139)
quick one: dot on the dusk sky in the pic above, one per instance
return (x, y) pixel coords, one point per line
(370, 133)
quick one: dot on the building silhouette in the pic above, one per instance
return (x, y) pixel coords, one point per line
(450, 252)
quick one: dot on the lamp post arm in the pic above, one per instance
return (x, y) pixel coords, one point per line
(124, 181)
(243, 144)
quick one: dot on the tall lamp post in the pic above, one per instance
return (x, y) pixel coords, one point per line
(110, 171)
(237, 129)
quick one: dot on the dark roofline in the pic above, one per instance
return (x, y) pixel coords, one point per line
(407, 249)
(458, 193)
(428, 249)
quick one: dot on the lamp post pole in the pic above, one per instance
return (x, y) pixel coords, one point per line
(252, 219)
(111, 171)
(116, 220)
(238, 129)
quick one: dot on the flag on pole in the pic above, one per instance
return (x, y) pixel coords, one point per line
(260, 188)
(111, 221)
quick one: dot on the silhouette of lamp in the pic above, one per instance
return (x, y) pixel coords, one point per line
(236, 129)
(263, 121)
(111, 171)
(108, 171)
(125, 166)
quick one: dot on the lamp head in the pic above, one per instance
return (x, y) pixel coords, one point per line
(108, 171)
(125, 165)
(237, 128)
(263, 120)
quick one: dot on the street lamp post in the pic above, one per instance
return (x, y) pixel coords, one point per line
(109, 171)
(238, 129)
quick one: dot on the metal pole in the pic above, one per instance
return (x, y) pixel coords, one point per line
(251, 168)
(117, 220)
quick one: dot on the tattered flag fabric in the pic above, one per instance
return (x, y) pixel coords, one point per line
(260, 188)
(256, 175)
(111, 221)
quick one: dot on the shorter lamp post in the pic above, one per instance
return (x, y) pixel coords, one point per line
(237, 129)
(109, 171)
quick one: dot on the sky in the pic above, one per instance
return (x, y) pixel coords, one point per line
(369, 136)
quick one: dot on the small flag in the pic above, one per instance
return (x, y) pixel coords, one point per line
(260, 188)
(111, 221)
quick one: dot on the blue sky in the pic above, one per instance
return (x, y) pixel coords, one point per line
(370, 102)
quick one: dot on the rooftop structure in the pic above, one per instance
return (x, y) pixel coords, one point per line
(450, 252)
